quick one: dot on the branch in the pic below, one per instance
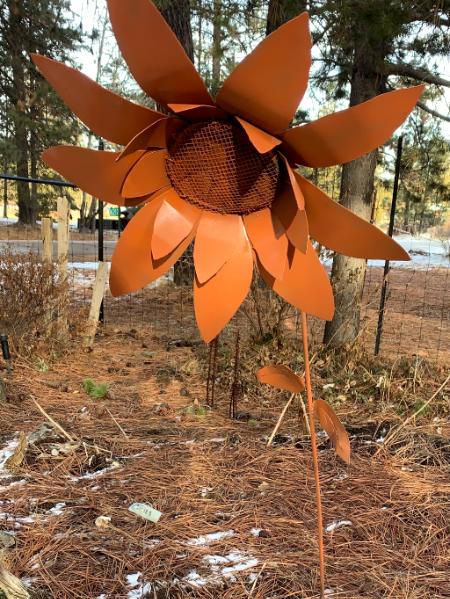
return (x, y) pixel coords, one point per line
(433, 112)
(406, 70)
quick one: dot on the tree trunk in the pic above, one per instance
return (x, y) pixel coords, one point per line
(217, 46)
(178, 15)
(26, 212)
(357, 187)
(281, 11)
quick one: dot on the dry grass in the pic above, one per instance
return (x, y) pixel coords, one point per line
(33, 299)
(206, 473)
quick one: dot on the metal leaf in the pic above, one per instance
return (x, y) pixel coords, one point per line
(281, 377)
(334, 429)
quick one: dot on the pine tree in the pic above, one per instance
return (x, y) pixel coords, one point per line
(36, 115)
(370, 47)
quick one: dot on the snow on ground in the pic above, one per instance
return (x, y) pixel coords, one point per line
(337, 524)
(209, 539)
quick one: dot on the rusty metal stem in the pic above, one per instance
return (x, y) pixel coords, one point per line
(315, 454)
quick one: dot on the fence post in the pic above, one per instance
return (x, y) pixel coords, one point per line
(387, 266)
(101, 256)
(63, 252)
(63, 235)
(47, 240)
(97, 299)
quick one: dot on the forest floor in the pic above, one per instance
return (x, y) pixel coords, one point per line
(238, 518)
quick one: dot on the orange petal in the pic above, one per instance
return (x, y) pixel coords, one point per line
(293, 220)
(218, 238)
(174, 222)
(197, 112)
(305, 285)
(154, 55)
(267, 237)
(132, 267)
(263, 142)
(103, 111)
(147, 175)
(295, 187)
(155, 135)
(267, 86)
(95, 172)
(345, 135)
(339, 229)
(334, 429)
(281, 377)
(217, 300)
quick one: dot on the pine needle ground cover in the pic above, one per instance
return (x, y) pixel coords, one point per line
(237, 517)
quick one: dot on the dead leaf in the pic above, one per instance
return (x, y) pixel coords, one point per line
(334, 429)
(281, 377)
(15, 460)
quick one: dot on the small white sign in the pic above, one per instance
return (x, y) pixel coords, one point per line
(146, 511)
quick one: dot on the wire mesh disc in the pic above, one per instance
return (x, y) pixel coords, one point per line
(214, 166)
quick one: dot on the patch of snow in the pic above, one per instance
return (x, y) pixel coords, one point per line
(337, 524)
(242, 562)
(57, 509)
(5, 453)
(14, 483)
(223, 568)
(195, 579)
(255, 531)
(97, 473)
(210, 538)
(138, 590)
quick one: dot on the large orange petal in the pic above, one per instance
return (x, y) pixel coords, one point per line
(174, 222)
(345, 135)
(155, 135)
(305, 285)
(218, 238)
(95, 172)
(147, 175)
(339, 229)
(132, 267)
(262, 141)
(293, 220)
(217, 300)
(269, 241)
(267, 86)
(103, 111)
(154, 55)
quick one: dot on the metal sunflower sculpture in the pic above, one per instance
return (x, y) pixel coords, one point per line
(220, 172)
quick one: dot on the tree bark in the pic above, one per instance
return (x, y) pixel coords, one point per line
(217, 46)
(356, 193)
(178, 16)
(281, 11)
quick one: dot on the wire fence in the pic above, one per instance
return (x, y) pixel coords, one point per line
(416, 312)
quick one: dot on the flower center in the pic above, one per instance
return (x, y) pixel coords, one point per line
(214, 166)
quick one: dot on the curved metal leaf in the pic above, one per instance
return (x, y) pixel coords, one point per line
(334, 429)
(281, 377)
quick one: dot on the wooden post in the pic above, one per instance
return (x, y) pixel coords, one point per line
(97, 298)
(63, 252)
(63, 235)
(47, 240)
